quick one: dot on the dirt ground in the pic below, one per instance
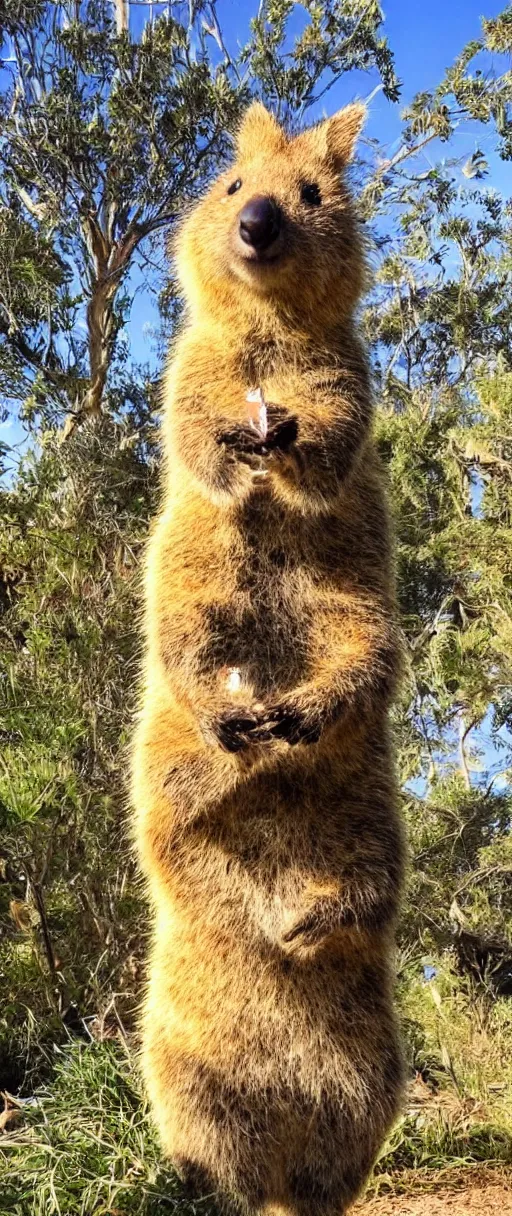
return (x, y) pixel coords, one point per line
(479, 1199)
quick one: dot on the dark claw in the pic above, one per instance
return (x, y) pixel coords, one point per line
(310, 928)
(235, 730)
(281, 436)
(231, 730)
(243, 440)
(303, 926)
(293, 726)
(321, 922)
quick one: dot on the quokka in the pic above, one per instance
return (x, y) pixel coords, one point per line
(266, 816)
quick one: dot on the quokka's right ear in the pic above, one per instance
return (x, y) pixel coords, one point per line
(333, 139)
(342, 131)
(258, 132)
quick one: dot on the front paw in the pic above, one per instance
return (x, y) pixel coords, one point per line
(283, 429)
(309, 930)
(243, 442)
(321, 917)
(238, 728)
(326, 917)
(248, 443)
(308, 935)
(292, 724)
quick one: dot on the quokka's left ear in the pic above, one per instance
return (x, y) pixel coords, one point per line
(258, 132)
(334, 139)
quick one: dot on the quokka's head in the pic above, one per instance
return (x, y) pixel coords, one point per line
(279, 224)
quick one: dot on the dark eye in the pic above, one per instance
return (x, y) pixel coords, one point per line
(232, 189)
(310, 194)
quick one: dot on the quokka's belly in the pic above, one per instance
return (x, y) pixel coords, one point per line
(312, 1025)
(255, 859)
(263, 634)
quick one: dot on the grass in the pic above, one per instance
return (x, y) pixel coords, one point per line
(458, 1114)
(88, 1147)
(429, 1151)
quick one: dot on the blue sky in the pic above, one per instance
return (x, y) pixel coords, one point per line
(425, 39)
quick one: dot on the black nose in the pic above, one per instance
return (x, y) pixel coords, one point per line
(260, 222)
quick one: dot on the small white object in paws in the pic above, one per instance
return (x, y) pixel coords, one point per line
(258, 416)
(234, 680)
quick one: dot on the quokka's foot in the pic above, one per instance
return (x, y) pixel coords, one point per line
(196, 1181)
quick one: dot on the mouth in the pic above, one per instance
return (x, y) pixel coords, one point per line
(259, 260)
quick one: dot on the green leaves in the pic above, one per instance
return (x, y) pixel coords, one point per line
(104, 138)
(292, 72)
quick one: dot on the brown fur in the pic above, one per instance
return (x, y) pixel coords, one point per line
(266, 816)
